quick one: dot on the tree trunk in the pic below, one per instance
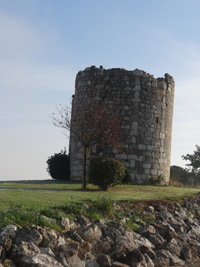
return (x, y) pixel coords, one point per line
(84, 168)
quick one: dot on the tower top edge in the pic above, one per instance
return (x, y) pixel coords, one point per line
(136, 72)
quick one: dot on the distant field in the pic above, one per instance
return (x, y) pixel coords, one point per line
(47, 194)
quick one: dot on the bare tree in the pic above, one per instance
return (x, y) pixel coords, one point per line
(93, 124)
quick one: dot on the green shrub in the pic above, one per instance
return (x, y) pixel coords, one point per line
(58, 166)
(127, 178)
(105, 172)
(156, 180)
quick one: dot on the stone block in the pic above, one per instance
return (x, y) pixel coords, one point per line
(134, 125)
(127, 127)
(133, 132)
(127, 88)
(141, 147)
(138, 176)
(154, 172)
(126, 164)
(149, 147)
(140, 158)
(137, 88)
(133, 140)
(137, 94)
(162, 136)
(132, 163)
(143, 177)
(132, 157)
(121, 156)
(138, 72)
(146, 166)
(126, 108)
(79, 156)
(89, 82)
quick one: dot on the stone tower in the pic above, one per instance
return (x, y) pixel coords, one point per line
(147, 107)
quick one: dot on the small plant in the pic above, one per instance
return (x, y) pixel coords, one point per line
(130, 224)
(105, 172)
(127, 178)
(95, 216)
(48, 222)
(156, 180)
(51, 213)
(18, 215)
(104, 204)
(58, 166)
(74, 208)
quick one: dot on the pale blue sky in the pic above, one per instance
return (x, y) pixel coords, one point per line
(44, 43)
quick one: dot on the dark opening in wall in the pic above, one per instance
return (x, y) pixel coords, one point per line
(157, 119)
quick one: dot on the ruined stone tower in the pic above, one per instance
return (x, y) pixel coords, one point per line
(146, 104)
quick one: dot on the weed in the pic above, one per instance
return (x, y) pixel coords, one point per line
(105, 205)
(95, 216)
(51, 213)
(18, 216)
(48, 223)
(73, 208)
(147, 218)
(130, 224)
(70, 217)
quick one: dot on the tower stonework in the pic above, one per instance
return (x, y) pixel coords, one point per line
(146, 105)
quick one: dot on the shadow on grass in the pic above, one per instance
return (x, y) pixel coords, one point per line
(40, 182)
(51, 189)
(47, 182)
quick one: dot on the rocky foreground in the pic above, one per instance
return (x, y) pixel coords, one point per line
(171, 239)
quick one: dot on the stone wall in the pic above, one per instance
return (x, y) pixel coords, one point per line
(167, 235)
(146, 106)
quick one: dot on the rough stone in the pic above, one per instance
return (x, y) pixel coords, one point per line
(28, 234)
(69, 249)
(65, 223)
(47, 251)
(173, 259)
(73, 235)
(119, 264)
(49, 238)
(133, 258)
(40, 260)
(91, 263)
(156, 239)
(8, 263)
(90, 233)
(158, 243)
(82, 220)
(75, 261)
(22, 249)
(104, 260)
(7, 234)
(2, 253)
(142, 241)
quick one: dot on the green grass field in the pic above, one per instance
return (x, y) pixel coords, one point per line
(49, 194)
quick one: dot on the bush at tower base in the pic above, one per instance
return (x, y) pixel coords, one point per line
(106, 172)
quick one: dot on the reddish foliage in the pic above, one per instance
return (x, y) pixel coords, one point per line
(93, 124)
(97, 125)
